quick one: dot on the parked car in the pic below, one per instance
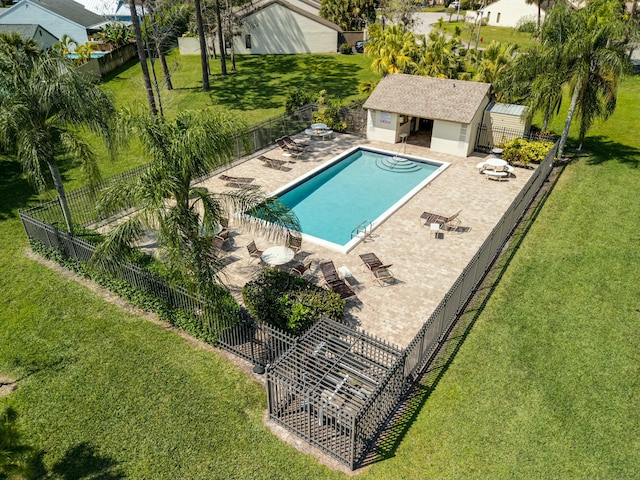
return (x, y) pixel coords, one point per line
(359, 46)
(455, 4)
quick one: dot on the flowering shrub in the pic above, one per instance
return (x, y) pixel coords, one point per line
(524, 151)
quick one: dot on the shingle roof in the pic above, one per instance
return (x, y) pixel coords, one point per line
(425, 97)
(70, 10)
(25, 31)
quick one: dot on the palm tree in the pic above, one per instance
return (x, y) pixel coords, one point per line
(494, 60)
(46, 106)
(204, 64)
(142, 56)
(167, 203)
(596, 61)
(439, 57)
(394, 49)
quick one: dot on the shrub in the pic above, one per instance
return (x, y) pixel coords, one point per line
(330, 115)
(524, 151)
(297, 97)
(527, 27)
(346, 49)
(290, 303)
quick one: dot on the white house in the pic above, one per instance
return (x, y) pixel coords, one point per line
(59, 17)
(278, 26)
(508, 13)
(41, 36)
(445, 112)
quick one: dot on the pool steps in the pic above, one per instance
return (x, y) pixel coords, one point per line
(396, 164)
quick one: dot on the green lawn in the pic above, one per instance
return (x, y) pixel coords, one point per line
(543, 383)
(487, 34)
(256, 91)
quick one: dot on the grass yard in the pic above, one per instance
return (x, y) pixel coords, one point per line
(256, 91)
(543, 383)
(487, 34)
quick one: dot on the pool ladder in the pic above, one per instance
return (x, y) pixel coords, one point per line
(365, 228)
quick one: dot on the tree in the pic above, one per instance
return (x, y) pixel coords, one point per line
(204, 64)
(45, 107)
(596, 61)
(350, 15)
(439, 57)
(167, 203)
(393, 49)
(142, 56)
(539, 5)
(494, 60)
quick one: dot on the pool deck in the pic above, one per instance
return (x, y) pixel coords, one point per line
(424, 267)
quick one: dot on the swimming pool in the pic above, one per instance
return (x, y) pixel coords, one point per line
(360, 185)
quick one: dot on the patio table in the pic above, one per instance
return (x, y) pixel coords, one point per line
(276, 256)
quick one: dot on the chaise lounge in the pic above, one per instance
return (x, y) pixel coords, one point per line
(379, 270)
(333, 281)
(272, 162)
(236, 182)
(446, 223)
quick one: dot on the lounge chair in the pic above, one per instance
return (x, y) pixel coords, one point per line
(253, 250)
(300, 269)
(272, 163)
(290, 149)
(236, 182)
(381, 272)
(293, 144)
(448, 223)
(219, 241)
(294, 243)
(334, 282)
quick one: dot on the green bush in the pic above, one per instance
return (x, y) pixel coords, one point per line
(330, 115)
(528, 26)
(290, 303)
(222, 311)
(524, 151)
(297, 97)
(346, 49)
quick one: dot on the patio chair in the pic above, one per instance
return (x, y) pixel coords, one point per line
(236, 182)
(293, 144)
(300, 269)
(449, 223)
(294, 243)
(253, 250)
(289, 150)
(272, 163)
(381, 272)
(334, 282)
(218, 242)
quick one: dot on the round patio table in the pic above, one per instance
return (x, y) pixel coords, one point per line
(276, 256)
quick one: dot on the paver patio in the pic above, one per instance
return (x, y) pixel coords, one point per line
(425, 268)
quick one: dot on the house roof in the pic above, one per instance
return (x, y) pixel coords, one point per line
(27, 30)
(70, 10)
(426, 97)
(508, 109)
(262, 4)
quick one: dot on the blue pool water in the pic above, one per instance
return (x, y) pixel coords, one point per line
(363, 185)
(93, 55)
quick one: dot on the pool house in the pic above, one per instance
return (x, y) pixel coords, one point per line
(442, 114)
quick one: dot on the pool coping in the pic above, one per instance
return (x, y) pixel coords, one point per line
(355, 241)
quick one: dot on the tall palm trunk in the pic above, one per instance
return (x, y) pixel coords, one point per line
(572, 109)
(223, 61)
(203, 48)
(62, 197)
(142, 56)
(160, 53)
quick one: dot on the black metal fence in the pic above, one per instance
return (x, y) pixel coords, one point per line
(347, 435)
(434, 330)
(489, 137)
